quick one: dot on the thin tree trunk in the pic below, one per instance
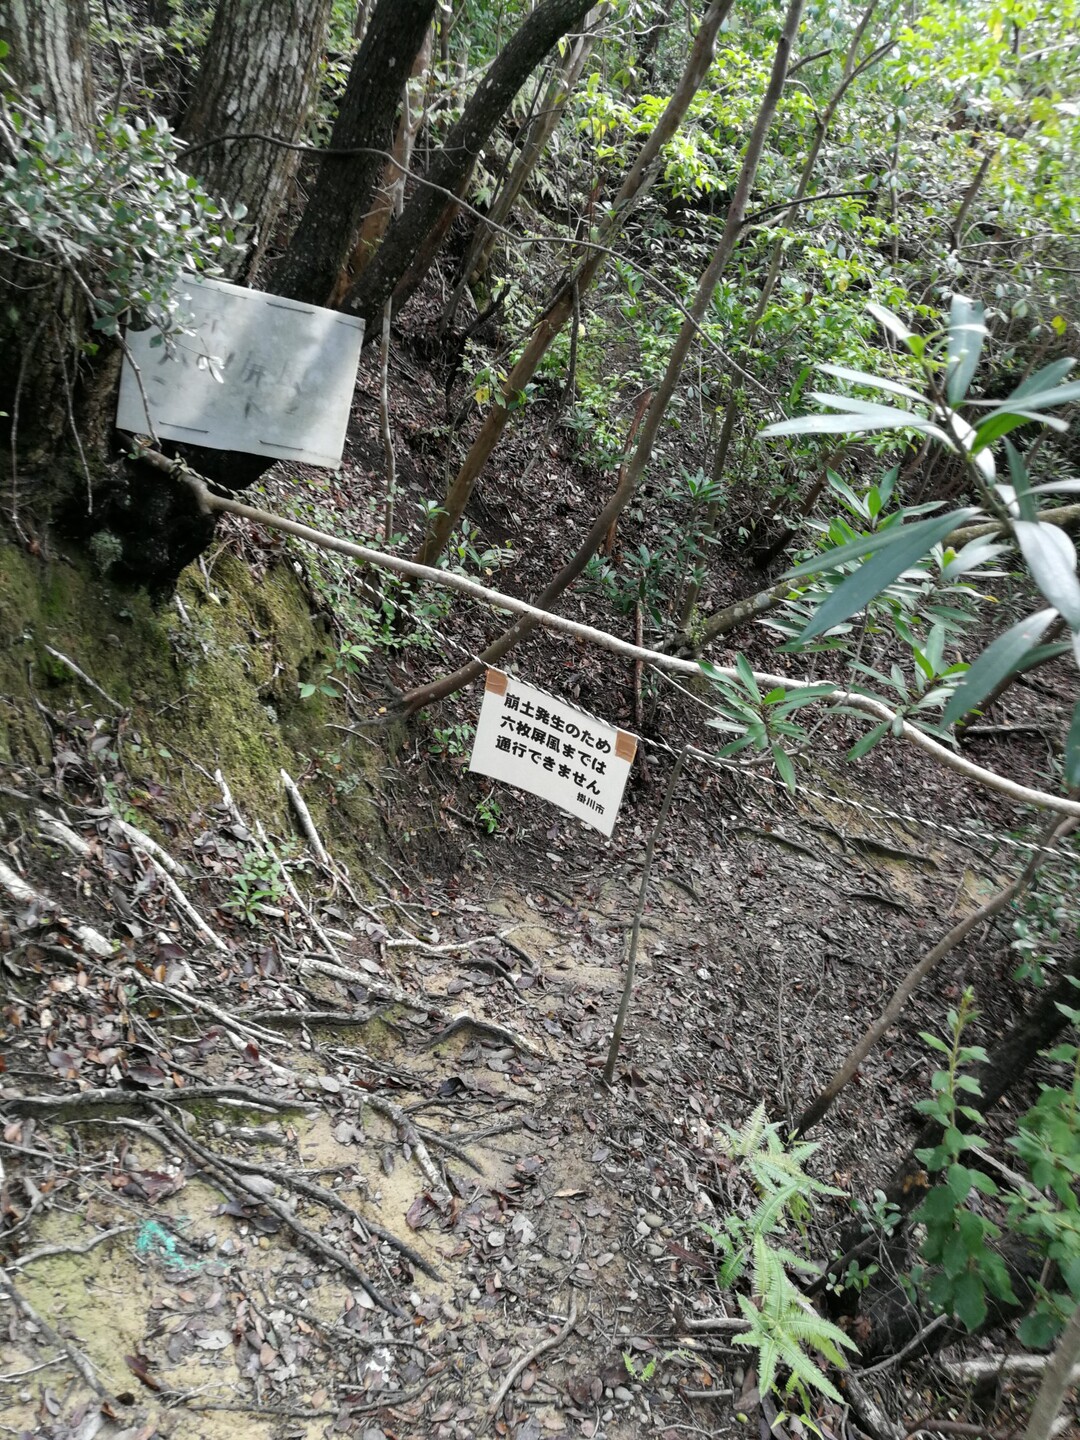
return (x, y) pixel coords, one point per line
(1056, 1381)
(635, 934)
(439, 689)
(970, 196)
(815, 1112)
(412, 242)
(346, 185)
(258, 73)
(852, 69)
(552, 108)
(389, 200)
(561, 308)
(49, 48)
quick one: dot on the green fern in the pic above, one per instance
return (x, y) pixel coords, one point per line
(783, 1327)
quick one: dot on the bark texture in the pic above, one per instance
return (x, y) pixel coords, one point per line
(48, 46)
(258, 74)
(347, 184)
(413, 240)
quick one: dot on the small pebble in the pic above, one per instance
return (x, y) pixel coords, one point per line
(652, 1220)
(623, 1395)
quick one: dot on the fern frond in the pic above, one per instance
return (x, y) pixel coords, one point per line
(802, 1367)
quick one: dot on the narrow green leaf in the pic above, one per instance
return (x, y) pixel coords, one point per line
(1045, 399)
(844, 425)
(746, 675)
(784, 768)
(1058, 487)
(888, 321)
(869, 740)
(1051, 558)
(868, 544)
(910, 544)
(1044, 379)
(877, 382)
(1000, 658)
(1021, 481)
(966, 334)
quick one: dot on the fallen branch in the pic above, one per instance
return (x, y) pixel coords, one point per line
(93, 1099)
(149, 847)
(45, 1252)
(23, 894)
(223, 1172)
(999, 1366)
(334, 1202)
(527, 1359)
(185, 904)
(307, 824)
(409, 1133)
(487, 1030)
(73, 1353)
(82, 675)
(914, 978)
(1022, 794)
(868, 1412)
(290, 885)
(56, 830)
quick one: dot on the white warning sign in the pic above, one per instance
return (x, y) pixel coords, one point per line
(535, 742)
(261, 374)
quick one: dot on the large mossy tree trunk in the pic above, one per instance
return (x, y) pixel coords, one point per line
(57, 390)
(257, 77)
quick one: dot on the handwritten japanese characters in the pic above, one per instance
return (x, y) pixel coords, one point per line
(538, 744)
(261, 374)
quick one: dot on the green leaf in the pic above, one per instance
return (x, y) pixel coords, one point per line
(890, 322)
(1044, 399)
(858, 377)
(785, 769)
(1018, 474)
(1044, 379)
(868, 544)
(909, 544)
(1058, 487)
(966, 334)
(869, 740)
(1051, 558)
(969, 1301)
(1000, 658)
(746, 675)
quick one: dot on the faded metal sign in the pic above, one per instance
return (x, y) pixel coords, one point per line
(537, 743)
(261, 374)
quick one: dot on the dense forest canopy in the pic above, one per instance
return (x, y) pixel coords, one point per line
(749, 325)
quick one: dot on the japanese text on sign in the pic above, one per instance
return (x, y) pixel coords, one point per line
(261, 374)
(535, 742)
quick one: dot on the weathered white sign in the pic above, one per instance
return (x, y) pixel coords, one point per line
(262, 375)
(537, 743)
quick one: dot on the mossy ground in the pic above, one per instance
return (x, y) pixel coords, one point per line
(209, 683)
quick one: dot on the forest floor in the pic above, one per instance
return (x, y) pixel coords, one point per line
(342, 1161)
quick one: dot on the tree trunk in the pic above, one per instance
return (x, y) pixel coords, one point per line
(49, 47)
(258, 74)
(347, 184)
(554, 318)
(412, 242)
(391, 187)
(49, 61)
(552, 108)
(440, 689)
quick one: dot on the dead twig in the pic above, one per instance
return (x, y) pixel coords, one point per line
(23, 894)
(307, 824)
(551, 1343)
(225, 1174)
(409, 1133)
(95, 1099)
(82, 675)
(73, 1353)
(43, 1252)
